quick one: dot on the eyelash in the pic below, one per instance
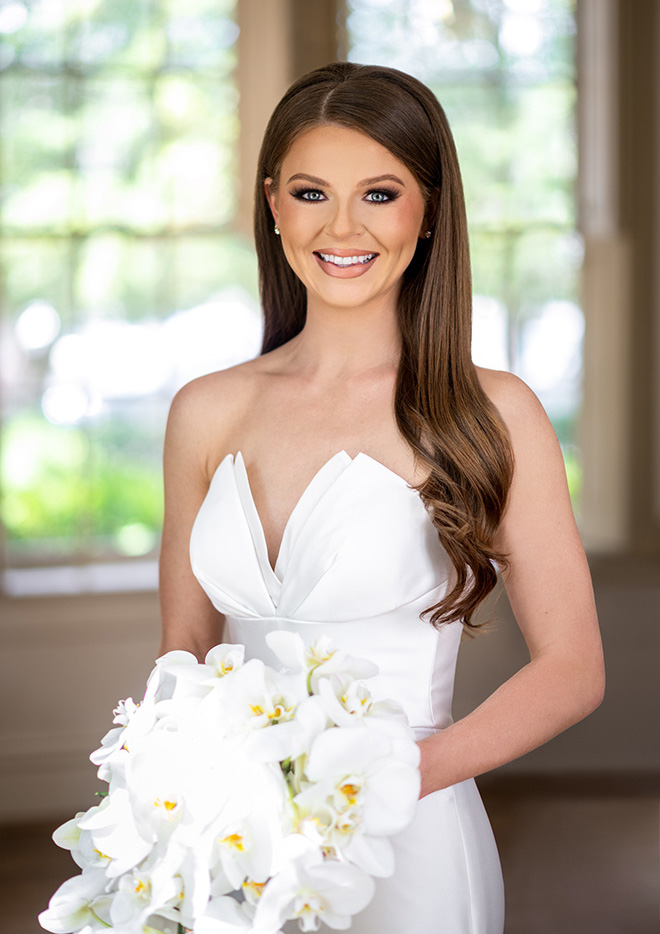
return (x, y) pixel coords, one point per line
(392, 194)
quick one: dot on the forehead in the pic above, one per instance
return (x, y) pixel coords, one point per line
(340, 152)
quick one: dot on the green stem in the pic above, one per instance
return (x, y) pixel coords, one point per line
(100, 920)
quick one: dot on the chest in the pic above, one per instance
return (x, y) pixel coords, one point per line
(288, 435)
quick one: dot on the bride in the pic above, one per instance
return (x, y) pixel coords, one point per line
(362, 478)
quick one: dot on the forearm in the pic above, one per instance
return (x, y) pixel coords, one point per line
(545, 697)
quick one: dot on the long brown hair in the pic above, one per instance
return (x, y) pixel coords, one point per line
(440, 407)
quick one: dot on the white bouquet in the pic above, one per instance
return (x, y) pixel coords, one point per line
(241, 797)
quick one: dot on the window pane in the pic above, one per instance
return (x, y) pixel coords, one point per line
(121, 278)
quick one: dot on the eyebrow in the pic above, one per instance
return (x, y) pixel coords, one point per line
(363, 184)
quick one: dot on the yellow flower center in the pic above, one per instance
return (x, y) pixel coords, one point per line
(350, 792)
(168, 806)
(233, 840)
(255, 888)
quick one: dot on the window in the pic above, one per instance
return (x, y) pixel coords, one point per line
(122, 274)
(504, 72)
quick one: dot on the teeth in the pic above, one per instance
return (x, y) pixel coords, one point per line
(346, 260)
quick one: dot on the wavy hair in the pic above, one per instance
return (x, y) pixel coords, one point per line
(440, 408)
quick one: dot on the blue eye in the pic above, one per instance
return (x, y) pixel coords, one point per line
(308, 194)
(382, 195)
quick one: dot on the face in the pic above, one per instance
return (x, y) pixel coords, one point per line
(350, 215)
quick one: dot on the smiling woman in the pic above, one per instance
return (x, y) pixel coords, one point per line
(361, 480)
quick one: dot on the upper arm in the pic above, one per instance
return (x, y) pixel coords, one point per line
(189, 621)
(548, 581)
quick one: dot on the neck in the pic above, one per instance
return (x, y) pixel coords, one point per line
(345, 342)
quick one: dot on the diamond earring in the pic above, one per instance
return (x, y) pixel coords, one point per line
(277, 230)
(428, 234)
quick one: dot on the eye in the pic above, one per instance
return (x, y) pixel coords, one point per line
(382, 195)
(308, 194)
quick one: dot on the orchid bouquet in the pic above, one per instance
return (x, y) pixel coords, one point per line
(241, 797)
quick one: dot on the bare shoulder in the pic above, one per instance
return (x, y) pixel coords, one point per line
(537, 455)
(204, 411)
(517, 404)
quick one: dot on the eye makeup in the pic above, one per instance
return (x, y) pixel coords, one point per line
(303, 192)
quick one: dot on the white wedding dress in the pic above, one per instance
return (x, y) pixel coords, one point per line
(359, 560)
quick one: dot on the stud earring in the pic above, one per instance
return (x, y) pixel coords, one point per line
(277, 230)
(428, 234)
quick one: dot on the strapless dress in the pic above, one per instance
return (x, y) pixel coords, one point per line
(359, 561)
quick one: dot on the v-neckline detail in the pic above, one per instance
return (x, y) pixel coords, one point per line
(254, 519)
(272, 572)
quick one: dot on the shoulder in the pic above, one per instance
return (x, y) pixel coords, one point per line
(204, 411)
(539, 477)
(518, 406)
(199, 399)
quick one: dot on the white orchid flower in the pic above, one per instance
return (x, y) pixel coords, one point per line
(78, 902)
(70, 836)
(241, 849)
(292, 738)
(224, 659)
(312, 890)
(160, 777)
(340, 831)
(245, 839)
(356, 766)
(347, 701)
(167, 674)
(318, 660)
(257, 697)
(142, 892)
(114, 833)
(194, 680)
(136, 721)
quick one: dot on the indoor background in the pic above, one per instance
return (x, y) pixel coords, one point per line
(128, 139)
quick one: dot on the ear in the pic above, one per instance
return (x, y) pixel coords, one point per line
(272, 198)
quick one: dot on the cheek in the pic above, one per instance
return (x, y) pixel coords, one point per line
(410, 221)
(300, 221)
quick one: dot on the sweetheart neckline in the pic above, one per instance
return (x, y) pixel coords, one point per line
(237, 458)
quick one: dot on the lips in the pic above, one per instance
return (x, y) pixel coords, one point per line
(345, 264)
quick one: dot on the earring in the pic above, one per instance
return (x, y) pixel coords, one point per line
(428, 234)
(277, 230)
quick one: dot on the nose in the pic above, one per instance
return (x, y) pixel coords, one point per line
(344, 221)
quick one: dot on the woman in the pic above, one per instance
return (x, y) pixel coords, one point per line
(362, 479)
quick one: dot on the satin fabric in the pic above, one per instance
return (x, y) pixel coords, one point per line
(359, 560)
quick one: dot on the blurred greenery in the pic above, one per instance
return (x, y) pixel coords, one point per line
(66, 488)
